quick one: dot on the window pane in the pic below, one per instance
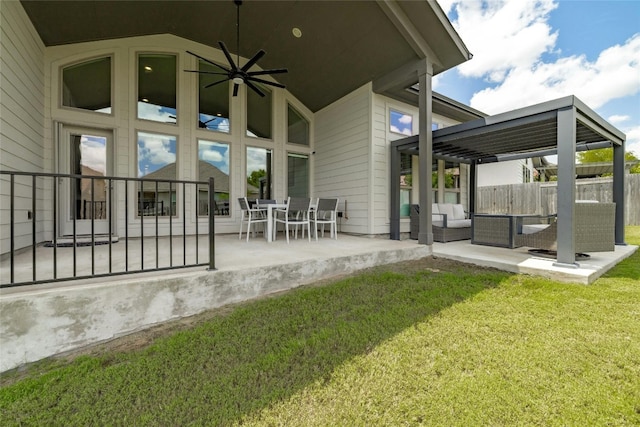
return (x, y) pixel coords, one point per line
(298, 130)
(400, 123)
(259, 112)
(213, 100)
(213, 161)
(259, 177)
(406, 181)
(88, 85)
(298, 175)
(157, 160)
(157, 88)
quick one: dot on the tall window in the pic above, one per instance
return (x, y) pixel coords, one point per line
(259, 175)
(259, 112)
(157, 88)
(298, 175)
(213, 99)
(400, 123)
(298, 127)
(213, 161)
(157, 160)
(88, 85)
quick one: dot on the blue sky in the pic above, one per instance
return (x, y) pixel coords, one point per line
(531, 51)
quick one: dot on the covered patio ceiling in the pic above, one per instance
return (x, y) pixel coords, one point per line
(344, 44)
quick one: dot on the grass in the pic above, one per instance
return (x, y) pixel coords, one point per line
(428, 343)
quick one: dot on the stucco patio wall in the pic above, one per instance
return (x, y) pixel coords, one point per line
(40, 323)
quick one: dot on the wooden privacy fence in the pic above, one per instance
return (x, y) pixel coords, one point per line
(541, 197)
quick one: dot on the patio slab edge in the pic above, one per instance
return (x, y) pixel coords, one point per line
(44, 322)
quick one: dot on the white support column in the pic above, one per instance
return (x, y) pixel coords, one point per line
(566, 187)
(425, 147)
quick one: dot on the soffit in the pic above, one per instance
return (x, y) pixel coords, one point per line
(344, 45)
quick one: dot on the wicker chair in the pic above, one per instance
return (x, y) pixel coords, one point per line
(594, 230)
(444, 229)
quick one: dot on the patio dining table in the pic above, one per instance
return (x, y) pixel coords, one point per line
(270, 207)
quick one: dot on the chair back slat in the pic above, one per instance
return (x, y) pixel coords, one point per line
(327, 205)
(299, 204)
(244, 205)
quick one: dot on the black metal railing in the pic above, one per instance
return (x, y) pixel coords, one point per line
(93, 218)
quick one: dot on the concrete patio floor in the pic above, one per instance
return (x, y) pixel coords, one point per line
(51, 318)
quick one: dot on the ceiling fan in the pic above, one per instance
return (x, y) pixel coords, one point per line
(239, 75)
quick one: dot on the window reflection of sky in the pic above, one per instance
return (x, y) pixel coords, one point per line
(256, 159)
(400, 123)
(93, 152)
(220, 124)
(214, 153)
(154, 152)
(157, 113)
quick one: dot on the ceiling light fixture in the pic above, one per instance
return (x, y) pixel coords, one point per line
(297, 32)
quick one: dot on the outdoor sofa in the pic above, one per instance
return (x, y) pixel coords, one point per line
(449, 222)
(594, 229)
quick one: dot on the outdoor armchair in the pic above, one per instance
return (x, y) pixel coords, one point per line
(297, 213)
(251, 216)
(326, 212)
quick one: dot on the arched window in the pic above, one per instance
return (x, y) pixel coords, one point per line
(88, 85)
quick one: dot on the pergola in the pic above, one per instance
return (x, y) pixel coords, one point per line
(560, 127)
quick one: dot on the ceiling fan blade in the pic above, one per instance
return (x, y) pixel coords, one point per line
(255, 88)
(228, 55)
(206, 72)
(215, 83)
(264, 72)
(210, 62)
(235, 89)
(266, 82)
(253, 60)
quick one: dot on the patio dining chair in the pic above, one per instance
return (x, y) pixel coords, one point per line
(297, 213)
(326, 212)
(251, 216)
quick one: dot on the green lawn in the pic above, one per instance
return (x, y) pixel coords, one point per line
(423, 343)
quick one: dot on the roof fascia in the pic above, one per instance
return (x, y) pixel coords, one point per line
(409, 31)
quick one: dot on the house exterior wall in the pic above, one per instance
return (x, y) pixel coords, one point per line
(33, 120)
(509, 172)
(343, 158)
(21, 119)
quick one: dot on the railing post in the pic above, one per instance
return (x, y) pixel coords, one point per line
(212, 234)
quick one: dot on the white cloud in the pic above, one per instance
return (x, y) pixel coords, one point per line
(503, 35)
(613, 75)
(405, 119)
(94, 153)
(633, 140)
(403, 131)
(211, 156)
(617, 118)
(508, 40)
(156, 149)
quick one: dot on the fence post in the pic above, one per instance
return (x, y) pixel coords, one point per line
(212, 234)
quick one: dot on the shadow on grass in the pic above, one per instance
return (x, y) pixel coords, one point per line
(233, 365)
(628, 268)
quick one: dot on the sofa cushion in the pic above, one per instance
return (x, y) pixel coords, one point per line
(458, 212)
(533, 228)
(459, 223)
(446, 208)
(434, 208)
